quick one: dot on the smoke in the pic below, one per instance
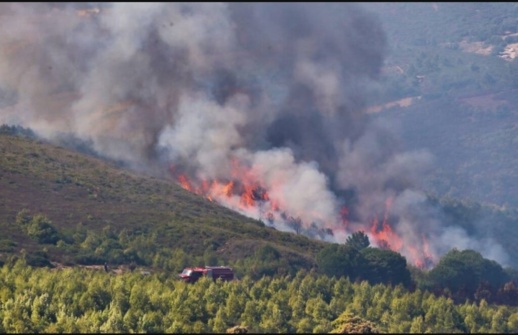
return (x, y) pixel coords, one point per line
(275, 91)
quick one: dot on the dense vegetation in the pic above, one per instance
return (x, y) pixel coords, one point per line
(34, 300)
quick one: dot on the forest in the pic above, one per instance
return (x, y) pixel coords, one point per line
(74, 300)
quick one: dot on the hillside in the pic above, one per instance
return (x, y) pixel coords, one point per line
(104, 213)
(313, 164)
(473, 146)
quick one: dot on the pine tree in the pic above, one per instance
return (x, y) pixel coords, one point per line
(115, 322)
(417, 326)
(219, 323)
(348, 323)
(499, 320)
(512, 323)
(358, 240)
(251, 316)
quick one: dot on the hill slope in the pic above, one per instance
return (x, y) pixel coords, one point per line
(103, 213)
(98, 212)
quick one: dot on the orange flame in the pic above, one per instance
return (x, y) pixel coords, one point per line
(245, 193)
(386, 236)
(184, 182)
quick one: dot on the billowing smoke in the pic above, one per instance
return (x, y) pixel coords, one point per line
(273, 93)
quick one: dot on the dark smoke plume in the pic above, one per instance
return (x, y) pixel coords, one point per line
(279, 87)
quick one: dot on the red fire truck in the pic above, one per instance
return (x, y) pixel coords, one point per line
(191, 275)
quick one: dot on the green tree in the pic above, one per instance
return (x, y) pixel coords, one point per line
(341, 260)
(151, 322)
(318, 309)
(251, 316)
(138, 298)
(386, 266)
(274, 319)
(417, 326)
(361, 300)
(41, 229)
(233, 308)
(98, 296)
(115, 322)
(348, 323)
(64, 323)
(220, 323)
(215, 298)
(16, 315)
(442, 316)
(472, 317)
(42, 313)
(358, 240)
(23, 217)
(462, 272)
(499, 320)
(512, 323)
(305, 325)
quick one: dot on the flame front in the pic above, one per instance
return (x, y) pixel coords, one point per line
(249, 196)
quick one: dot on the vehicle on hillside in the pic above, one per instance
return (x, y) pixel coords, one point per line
(191, 275)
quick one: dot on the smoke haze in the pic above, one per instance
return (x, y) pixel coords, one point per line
(276, 91)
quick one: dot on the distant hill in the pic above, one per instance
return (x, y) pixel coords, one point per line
(474, 146)
(455, 61)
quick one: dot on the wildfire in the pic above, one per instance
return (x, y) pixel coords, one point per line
(385, 237)
(246, 194)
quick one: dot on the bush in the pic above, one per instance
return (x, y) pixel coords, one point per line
(38, 259)
(38, 227)
(7, 245)
(89, 258)
(41, 229)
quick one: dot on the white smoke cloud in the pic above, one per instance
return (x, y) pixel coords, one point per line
(456, 237)
(299, 188)
(205, 133)
(323, 81)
